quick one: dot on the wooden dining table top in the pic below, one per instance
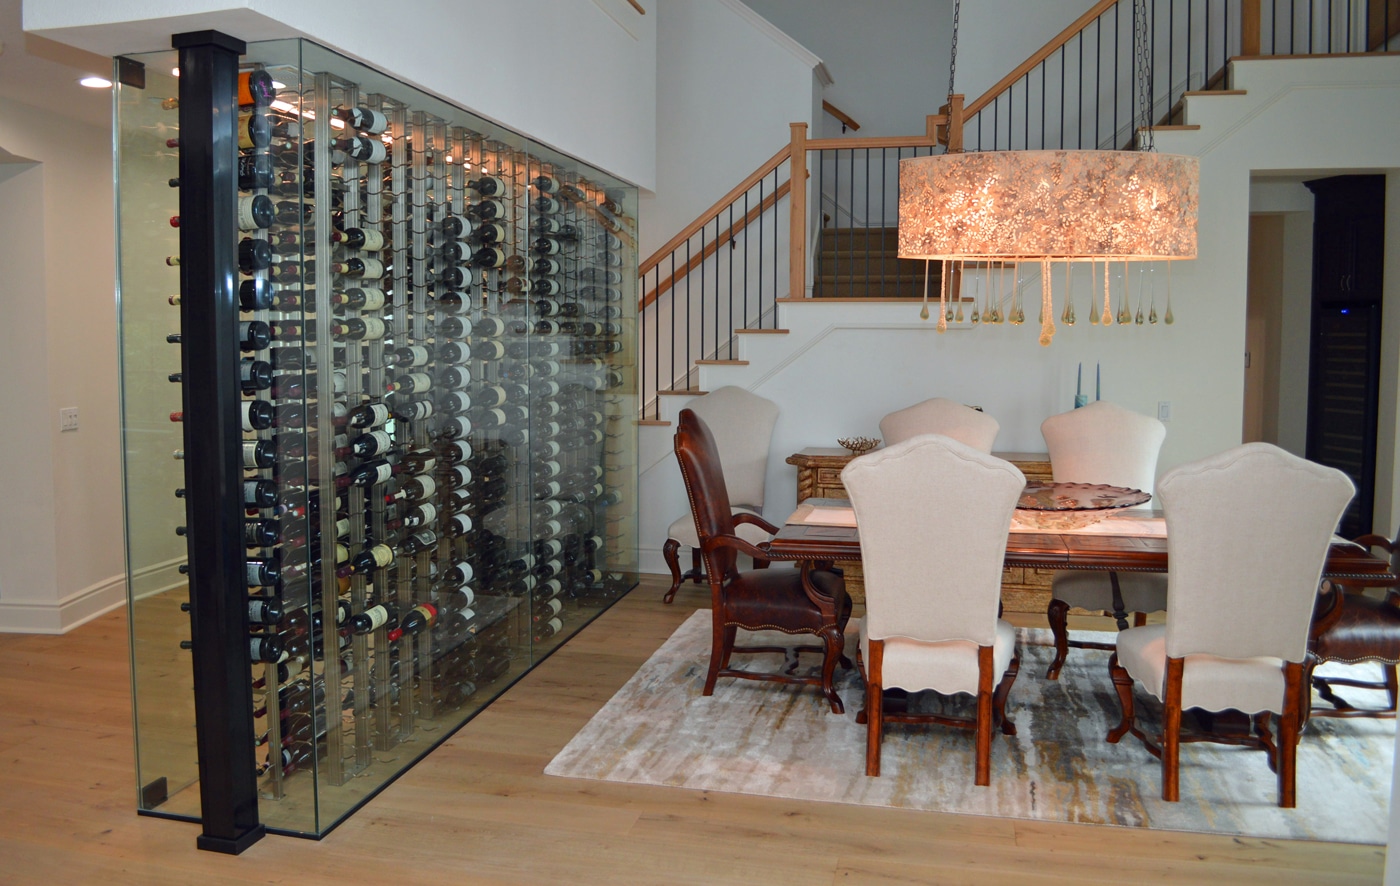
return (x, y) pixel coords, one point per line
(1096, 551)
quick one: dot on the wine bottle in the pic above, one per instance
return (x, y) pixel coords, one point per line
(371, 444)
(488, 186)
(488, 233)
(456, 227)
(254, 254)
(259, 493)
(419, 542)
(370, 415)
(489, 257)
(413, 355)
(546, 610)
(253, 335)
(367, 268)
(362, 119)
(546, 246)
(357, 299)
(418, 619)
(374, 617)
(266, 648)
(359, 238)
(254, 213)
(254, 375)
(457, 277)
(365, 560)
(260, 533)
(257, 415)
(545, 205)
(264, 610)
(368, 150)
(489, 327)
(366, 474)
(255, 89)
(357, 328)
(488, 210)
(545, 184)
(255, 172)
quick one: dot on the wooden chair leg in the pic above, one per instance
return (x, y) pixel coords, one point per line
(984, 717)
(718, 654)
(730, 633)
(1171, 731)
(833, 639)
(761, 564)
(697, 566)
(1288, 735)
(1002, 692)
(1305, 693)
(1139, 619)
(1392, 686)
(1058, 613)
(671, 551)
(1123, 683)
(874, 703)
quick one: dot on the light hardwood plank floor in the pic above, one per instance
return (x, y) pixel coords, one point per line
(480, 810)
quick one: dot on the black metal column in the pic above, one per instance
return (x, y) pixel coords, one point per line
(213, 432)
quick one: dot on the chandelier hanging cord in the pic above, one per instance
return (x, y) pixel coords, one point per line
(953, 60)
(1142, 49)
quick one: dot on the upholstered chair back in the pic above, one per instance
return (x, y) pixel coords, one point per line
(941, 416)
(742, 425)
(699, 459)
(934, 514)
(1247, 536)
(1104, 443)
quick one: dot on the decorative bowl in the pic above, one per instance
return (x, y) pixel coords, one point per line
(1062, 507)
(1055, 521)
(858, 445)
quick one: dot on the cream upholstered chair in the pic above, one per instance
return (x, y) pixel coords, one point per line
(1102, 443)
(940, 416)
(1247, 536)
(934, 515)
(742, 425)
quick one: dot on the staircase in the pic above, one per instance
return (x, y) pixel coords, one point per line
(865, 263)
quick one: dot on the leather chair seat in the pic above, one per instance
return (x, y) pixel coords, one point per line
(773, 600)
(1366, 630)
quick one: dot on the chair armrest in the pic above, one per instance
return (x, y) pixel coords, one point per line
(716, 542)
(756, 520)
(1327, 609)
(1376, 541)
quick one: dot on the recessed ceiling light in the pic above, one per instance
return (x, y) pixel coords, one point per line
(96, 82)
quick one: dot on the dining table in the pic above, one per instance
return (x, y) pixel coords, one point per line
(823, 531)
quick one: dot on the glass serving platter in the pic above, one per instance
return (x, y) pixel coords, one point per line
(1057, 507)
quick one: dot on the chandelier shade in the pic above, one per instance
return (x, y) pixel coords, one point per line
(1049, 205)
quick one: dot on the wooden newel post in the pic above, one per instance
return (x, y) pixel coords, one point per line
(1251, 24)
(954, 129)
(797, 203)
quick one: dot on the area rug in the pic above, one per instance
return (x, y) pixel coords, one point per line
(782, 741)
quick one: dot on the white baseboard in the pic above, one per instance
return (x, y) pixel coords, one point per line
(61, 616)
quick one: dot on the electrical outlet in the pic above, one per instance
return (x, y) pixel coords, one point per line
(68, 418)
(1164, 410)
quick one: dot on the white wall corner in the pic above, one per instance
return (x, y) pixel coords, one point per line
(59, 617)
(780, 37)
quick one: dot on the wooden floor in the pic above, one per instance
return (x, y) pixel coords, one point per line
(479, 809)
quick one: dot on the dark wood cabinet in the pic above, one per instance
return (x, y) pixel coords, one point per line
(1348, 237)
(1344, 368)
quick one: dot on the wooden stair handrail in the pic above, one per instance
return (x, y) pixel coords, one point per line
(713, 245)
(846, 119)
(1038, 56)
(704, 218)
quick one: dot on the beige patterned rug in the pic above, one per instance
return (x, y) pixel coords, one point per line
(779, 741)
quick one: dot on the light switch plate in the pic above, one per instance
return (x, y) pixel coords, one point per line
(68, 418)
(1164, 410)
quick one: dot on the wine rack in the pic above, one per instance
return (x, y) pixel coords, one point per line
(391, 348)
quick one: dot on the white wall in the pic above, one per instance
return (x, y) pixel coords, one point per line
(994, 36)
(62, 538)
(575, 75)
(888, 59)
(726, 93)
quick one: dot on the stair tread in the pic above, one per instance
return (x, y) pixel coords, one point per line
(1197, 92)
(654, 422)
(689, 392)
(839, 299)
(721, 363)
(762, 331)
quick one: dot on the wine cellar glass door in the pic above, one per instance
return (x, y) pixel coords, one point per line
(429, 329)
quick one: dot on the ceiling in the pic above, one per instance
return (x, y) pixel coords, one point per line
(45, 74)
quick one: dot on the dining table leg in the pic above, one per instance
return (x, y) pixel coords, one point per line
(1120, 613)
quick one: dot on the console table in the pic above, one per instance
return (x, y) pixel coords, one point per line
(1023, 589)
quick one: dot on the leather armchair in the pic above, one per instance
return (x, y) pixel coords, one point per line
(810, 601)
(1351, 627)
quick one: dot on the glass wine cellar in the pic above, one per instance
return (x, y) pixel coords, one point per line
(378, 402)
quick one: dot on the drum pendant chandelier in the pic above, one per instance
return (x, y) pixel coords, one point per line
(1049, 206)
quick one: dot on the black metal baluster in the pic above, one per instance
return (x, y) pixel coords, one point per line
(746, 256)
(884, 218)
(758, 272)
